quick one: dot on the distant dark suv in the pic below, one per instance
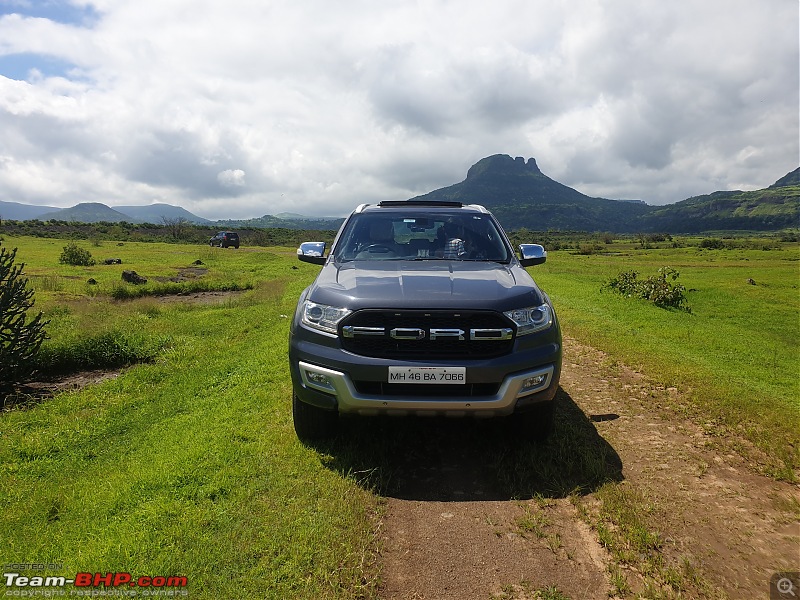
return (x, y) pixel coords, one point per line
(225, 239)
(423, 308)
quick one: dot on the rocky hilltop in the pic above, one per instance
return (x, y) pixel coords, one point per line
(520, 195)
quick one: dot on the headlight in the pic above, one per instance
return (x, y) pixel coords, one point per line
(323, 317)
(531, 319)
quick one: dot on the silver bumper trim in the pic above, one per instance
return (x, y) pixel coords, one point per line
(338, 384)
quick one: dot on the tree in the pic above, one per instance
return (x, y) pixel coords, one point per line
(19, 340)
(175, 225)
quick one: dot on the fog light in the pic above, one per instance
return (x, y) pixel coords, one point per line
(318, 380)
(533, 382)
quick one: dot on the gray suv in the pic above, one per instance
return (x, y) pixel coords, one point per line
(423, 308)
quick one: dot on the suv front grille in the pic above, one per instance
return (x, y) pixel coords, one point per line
(418, 334)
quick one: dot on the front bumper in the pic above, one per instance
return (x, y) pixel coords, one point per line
(326, 375)
(328, 388)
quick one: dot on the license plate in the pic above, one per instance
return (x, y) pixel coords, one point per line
(443, 375)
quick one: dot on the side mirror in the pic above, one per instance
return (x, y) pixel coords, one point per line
(312, 252)
(531, 254)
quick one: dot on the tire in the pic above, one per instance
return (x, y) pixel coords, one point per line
(313, 423)
(536, 423)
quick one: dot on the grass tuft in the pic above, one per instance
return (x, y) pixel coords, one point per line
(129, 292)
(108, 349)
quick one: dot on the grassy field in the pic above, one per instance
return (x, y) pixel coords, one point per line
(187, 465)
(736, 352)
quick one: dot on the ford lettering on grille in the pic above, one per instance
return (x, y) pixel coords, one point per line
(407, 333)
(421, 334)
(415, 333)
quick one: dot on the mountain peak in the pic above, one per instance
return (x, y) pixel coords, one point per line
(792, 178)
(504, 165)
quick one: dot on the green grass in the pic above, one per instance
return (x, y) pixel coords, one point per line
(187, 463)
(107, 349)
(160, 263)
(735, 355)
(624, 522)
(524, 591)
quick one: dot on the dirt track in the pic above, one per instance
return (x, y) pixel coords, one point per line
(453, 530)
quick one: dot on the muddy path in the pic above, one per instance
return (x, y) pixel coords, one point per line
(470, 514)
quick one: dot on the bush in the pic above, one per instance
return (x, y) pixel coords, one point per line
(658, 289)
(19, 341)
(78, 257)
(712, 244)
(589, 248)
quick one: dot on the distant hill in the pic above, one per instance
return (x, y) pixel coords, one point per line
(772, 209)
(284, 222)
(296, 217)
(22, 212)
(88, 212)
(789, 179)
(520, 195)
(155, 213)
(94, 212)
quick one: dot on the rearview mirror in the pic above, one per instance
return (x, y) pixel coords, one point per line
(312, 252)
(531, 254)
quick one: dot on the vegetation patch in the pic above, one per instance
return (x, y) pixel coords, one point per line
(107, 349)
(76, 256)
(622, 517)
(20, 337)
(189, 459)
(745, 394)
(524, 591)
(659, 289)
(128, 292)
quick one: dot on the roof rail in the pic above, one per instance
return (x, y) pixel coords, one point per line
(421, 203)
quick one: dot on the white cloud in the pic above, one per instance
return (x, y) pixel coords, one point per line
(231, 178)
(325, 106)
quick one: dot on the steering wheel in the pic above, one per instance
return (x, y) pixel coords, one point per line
(377, 248)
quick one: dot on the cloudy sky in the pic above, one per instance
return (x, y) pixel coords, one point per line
(241, 108)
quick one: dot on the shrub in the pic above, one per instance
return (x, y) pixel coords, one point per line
(589, 248)
(78, 257)
(712, 244)
(19, 340)
(659, 289)
(607, 237)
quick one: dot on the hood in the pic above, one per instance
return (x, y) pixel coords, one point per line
(434, 284)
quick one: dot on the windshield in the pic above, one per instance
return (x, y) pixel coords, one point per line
(415, 235)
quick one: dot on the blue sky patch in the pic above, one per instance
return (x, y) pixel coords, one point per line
(59, 11)
(19, 66)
